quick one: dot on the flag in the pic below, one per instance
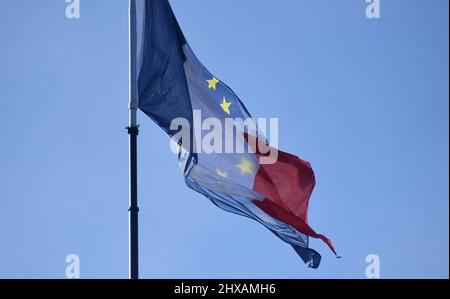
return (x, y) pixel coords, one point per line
(172, 84)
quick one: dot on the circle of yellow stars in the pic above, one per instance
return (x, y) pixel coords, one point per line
(245, 166)
(212, 84)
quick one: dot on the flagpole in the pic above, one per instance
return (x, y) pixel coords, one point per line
(133, 131)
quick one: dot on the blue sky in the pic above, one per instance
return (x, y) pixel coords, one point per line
(365, 101)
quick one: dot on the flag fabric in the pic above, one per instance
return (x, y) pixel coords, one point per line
(173, 84)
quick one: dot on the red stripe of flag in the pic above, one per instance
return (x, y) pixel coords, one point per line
(286, 186)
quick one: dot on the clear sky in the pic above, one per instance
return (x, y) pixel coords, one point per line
(365, 101)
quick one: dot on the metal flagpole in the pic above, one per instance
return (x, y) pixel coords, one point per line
(133, 131)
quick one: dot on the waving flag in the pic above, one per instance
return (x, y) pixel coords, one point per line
(173, 84)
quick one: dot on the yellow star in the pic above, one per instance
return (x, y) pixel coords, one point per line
(212, 83)
(222, 173)
(246, 166)
(226, 106)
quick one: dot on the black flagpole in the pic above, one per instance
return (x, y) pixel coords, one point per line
(133, 210)
(133, 131)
